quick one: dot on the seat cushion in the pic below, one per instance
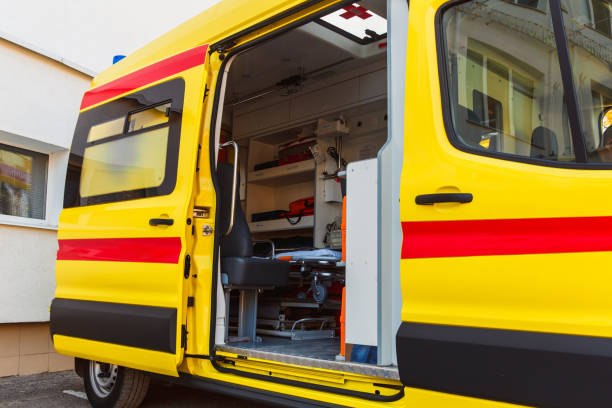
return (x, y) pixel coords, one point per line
(255, 272)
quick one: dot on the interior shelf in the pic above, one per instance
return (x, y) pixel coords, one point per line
(285, 174)
(281, 224)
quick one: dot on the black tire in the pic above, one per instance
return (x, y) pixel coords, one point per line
(112, 386)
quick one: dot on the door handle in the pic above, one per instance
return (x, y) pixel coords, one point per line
(430, 199)
(160, 221)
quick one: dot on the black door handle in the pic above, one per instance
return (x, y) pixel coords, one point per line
(430, 199)
(161, 221)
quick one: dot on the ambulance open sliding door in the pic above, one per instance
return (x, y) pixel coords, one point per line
(505, 206)
(125, 235)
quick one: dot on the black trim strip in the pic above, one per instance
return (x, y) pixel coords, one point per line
(146, 327)
(349, 393)
(447, 117)
(243, 392)
(520, 367)
(571, 99)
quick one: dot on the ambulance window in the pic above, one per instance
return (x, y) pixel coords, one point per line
(590, 45)
(128, 148)
(504, 82)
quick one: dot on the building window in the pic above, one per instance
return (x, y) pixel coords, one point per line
(601, 16)
(535, 4)
(23, 182)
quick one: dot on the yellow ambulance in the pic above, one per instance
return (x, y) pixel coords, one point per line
(338, 203)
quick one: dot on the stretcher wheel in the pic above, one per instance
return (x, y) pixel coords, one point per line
(319, 292)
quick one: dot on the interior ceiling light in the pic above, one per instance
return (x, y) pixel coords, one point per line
(357, 23)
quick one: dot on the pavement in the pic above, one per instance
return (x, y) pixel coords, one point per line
(65, 390)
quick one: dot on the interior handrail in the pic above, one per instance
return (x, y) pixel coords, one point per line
(234, 179)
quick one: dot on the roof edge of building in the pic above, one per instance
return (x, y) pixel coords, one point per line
(47, 54)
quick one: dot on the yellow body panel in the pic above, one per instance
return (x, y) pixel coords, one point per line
(559, 293)
(147, 360)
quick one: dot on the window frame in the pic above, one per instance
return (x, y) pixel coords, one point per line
(575, 126)
(172, 91)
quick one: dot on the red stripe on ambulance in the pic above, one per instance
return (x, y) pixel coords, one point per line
(154, 72)
(155, 250)
(439, 239)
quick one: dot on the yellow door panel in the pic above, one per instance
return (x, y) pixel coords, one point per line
(125, 234)
(506, 230)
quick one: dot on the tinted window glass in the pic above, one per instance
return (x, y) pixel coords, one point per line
(587, 25)
(127, 148)
(506, 93)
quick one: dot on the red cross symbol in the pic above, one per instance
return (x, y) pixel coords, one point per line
(356, 11)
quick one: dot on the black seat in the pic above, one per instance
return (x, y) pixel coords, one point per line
(544, 144)
(239, 268)
(237, 261)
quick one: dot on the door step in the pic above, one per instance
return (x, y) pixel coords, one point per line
(370, 370)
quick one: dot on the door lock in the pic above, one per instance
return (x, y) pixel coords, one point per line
(207, 230)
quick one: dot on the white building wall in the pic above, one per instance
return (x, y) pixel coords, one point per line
(89, 33)
(39, 103)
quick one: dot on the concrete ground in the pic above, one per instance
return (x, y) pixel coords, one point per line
(65, 389)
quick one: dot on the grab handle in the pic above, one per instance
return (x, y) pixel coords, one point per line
(235, 178)
(430, 199)
(160, 221)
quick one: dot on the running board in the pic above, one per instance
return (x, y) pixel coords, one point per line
(370, 370)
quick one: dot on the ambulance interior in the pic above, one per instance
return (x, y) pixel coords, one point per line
(308, 111)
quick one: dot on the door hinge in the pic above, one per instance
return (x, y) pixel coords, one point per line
(187, 266)
(206, 90)
(190, 301)
(184, 336)
(222, 48)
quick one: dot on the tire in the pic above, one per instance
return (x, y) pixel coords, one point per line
(113, 386)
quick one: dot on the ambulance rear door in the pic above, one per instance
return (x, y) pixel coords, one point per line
(125, 235)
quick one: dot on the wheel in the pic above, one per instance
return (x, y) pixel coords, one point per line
(113, 386)
(319, 292)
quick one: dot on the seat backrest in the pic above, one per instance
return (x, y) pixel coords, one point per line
(544, 144)
(238, 243)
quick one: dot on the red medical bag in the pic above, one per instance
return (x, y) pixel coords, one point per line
(300, 208)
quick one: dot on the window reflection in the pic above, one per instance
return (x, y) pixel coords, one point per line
(505, 80)
(587, 25)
